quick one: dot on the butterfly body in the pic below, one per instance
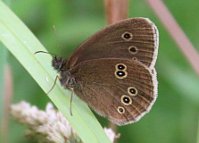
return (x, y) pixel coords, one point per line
(113, 71)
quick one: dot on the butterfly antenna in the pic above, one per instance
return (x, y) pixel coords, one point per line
(71, 99)
(44, 53)
(53, 84)
(41, 52)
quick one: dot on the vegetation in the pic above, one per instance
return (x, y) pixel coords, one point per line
(62, 25)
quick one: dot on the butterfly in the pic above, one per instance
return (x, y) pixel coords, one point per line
(113, 71)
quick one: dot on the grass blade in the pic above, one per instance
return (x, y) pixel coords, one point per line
(23, 44)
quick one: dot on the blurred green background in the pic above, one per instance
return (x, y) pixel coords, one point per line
(173, 118)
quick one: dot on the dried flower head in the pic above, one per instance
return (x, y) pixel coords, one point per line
(49, 126)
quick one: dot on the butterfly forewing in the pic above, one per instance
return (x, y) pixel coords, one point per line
(135, 38)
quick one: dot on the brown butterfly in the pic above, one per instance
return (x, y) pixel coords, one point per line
(113, 71)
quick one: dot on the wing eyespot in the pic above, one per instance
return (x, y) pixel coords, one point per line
(133, 50)
(120, 66)
(134, 58)
(127, 36)
(120, 74)
(132, 91)
(126, 100)
(120, 110)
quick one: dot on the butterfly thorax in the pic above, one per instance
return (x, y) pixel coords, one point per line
(66, 79)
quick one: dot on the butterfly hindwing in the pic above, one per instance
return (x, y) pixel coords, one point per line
(122, 90)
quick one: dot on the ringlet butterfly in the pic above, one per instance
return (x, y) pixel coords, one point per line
(113, 71)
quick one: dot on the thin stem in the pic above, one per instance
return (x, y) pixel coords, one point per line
(7, 101)
(176, 32)
(116, 10)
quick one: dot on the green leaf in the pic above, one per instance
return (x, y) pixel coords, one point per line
(3, 56)
(23, 44)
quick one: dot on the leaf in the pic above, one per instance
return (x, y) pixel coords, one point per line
(3, 56)
(22, 44)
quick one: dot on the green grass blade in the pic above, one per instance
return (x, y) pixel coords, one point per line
(23, 44)
(3, 55)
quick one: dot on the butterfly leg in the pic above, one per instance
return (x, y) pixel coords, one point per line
(57, 77)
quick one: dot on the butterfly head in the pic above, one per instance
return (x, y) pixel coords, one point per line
(59, 63)
(65, 77)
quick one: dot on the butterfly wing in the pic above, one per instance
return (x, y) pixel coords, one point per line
(122, 90)
(135, 38)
